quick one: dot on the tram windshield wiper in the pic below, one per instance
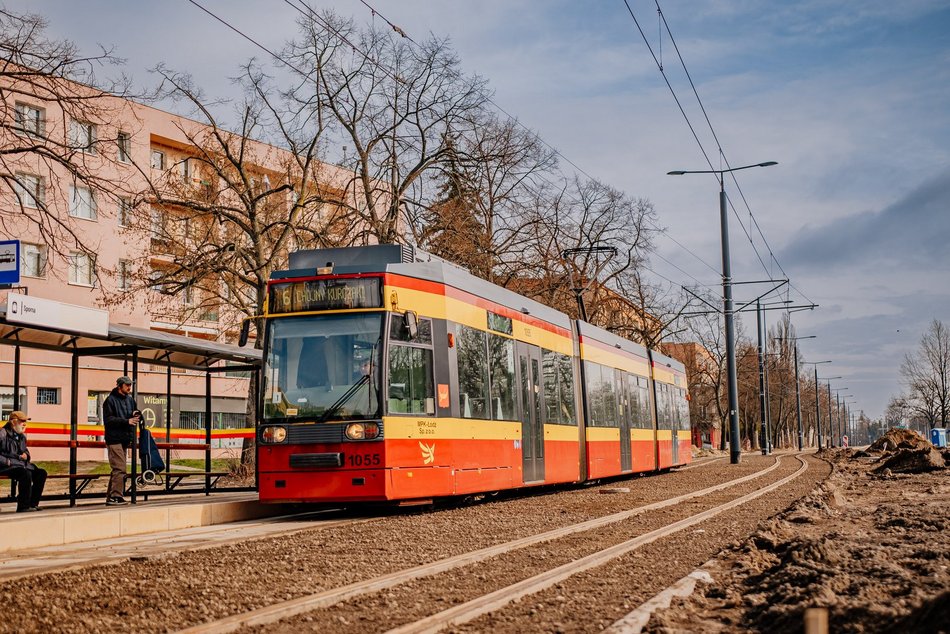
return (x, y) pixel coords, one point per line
(340, 402)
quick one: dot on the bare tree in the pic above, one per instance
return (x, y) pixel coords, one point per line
(490, 181)
(55, 133)
(391, 105)
(926, 375)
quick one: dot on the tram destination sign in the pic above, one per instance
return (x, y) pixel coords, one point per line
(329, 294)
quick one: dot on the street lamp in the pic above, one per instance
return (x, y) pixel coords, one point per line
(798, 394)
(817, 403)
(734, 448)
(836, 439)
(831, 432)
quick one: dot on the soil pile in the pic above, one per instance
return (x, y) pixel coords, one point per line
(896, 439)
(868, 549)
(912, 461)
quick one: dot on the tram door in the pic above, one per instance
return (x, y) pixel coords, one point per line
(532, 429)
(627, 397)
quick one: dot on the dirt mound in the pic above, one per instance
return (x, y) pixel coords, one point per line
(869, 550)
(898, 438)
(913, 461)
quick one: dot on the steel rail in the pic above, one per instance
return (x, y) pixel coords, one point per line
(475, 608)
(275, 612)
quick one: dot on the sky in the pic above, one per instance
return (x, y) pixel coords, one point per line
(851, 97)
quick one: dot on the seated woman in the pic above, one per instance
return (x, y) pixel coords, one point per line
(15, 463)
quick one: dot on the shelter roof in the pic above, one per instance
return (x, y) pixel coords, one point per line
(152, 346)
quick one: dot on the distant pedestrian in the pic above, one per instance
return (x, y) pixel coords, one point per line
(16, 462)
(120, 415)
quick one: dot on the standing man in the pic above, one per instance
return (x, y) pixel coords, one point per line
(121, 415)
(15, 462)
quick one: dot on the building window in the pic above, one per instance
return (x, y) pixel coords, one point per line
(30, 119)
(33, 258)
(185, 170)
(123, 275)
(157, 225)
(81, 268)
(124, 141)
(82, 203)
(47, 396)
(30, 190)
(124, 212)
(158, 160)
(6, 401)
(82, 136)
(188, 295)
(156, 281)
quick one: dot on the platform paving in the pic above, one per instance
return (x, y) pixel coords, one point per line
(58, 523)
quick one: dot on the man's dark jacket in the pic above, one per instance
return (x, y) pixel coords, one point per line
(12, 446)
(116, 412)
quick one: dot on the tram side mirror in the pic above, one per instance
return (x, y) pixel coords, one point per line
(412, 324)
(245, 332)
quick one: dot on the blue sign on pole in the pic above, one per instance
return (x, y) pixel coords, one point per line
(9, 262)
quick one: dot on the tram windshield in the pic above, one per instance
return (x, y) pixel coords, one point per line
(323, 367)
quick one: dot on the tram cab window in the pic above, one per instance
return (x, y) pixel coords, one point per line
(411, 389)
(322, 367)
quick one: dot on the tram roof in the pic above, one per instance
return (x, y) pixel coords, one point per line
(152, 346)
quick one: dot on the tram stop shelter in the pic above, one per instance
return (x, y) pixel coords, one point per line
(81, 332)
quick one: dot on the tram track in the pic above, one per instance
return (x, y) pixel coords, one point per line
(192, 587)
(332, 597)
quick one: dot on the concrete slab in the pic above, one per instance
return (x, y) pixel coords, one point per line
(55, 526)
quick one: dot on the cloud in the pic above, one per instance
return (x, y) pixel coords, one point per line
(910, 232)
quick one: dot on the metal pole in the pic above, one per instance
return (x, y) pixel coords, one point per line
(817, 408)
(840, 421)
(768, 403)
(73, 427)
(16, 377)
(831, 433)
(758, 326)
(798, 403)
(734, 448)
(207, 433)
(168, 424)
(135, 397)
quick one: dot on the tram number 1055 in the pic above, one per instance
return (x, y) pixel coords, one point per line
(364, 460)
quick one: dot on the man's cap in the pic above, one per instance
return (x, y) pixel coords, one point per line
(124, 380)
(19, 414)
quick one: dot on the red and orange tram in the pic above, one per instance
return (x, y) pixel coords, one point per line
(390, 375)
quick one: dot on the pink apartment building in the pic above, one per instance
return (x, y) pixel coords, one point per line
(126, 146)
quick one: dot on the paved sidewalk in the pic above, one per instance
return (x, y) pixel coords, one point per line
(90, 520)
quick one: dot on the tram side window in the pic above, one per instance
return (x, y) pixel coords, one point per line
(473, 373)
(558, 376)
(411, 389)
(663, 412)
(501, 352)
(683, 405)
(601, 396)
(643, 398)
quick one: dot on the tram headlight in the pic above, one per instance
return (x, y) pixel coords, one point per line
(362, 431)
(274, 434)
